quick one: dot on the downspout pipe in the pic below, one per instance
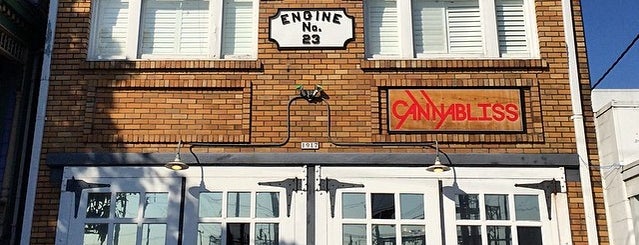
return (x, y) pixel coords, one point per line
(36, 150)
(578, 121)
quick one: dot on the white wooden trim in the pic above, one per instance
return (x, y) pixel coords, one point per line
(217, 7)
(94, 30)
(405, 28)
(135, 17)
(562, 217)
(65, 212)
(491, 45)
(531, 22)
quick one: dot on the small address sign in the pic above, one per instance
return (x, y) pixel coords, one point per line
(310, 145)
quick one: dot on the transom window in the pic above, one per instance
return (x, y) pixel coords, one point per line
(405, 29)
(173, 29)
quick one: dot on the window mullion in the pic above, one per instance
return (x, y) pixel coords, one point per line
(177, 49)
(514, 234)
(512, 218)
(405, 28)
(531, 31)
(135, 13)
(256, 18)
(216, 15)
(94, 34)
(489, 19)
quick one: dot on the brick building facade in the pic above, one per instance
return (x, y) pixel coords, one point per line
(272, 161)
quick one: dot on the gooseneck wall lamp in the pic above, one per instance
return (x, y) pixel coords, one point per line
(177, 163)
(314, 96)
(438, 167)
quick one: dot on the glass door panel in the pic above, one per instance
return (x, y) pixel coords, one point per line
(229, 206)
(395, 206)
(118, 210)
(495, 212)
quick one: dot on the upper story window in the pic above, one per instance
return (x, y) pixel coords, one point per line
(173, 29)
(425, 29)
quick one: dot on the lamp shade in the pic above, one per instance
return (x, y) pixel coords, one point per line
(437, 167)
(176, 164)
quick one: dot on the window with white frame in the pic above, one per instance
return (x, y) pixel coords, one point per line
(173, 29)
(423, 29)
(502, 219)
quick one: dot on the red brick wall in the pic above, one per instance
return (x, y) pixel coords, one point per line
(147, 106)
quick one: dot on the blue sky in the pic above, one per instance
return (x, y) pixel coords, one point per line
(610, 26)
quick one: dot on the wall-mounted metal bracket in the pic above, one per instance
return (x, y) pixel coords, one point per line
(549, 187)
(331, 186)
(77, 186)
(290, 185)
(312, 95)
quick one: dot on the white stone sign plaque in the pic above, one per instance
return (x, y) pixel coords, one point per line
(311, 28)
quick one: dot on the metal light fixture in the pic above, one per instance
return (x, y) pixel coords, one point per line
(437, 167)
(312, 96)
(177, 163)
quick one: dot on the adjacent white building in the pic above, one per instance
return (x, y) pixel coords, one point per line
(616, 118)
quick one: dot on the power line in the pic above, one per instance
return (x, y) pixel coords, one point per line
(616, 61)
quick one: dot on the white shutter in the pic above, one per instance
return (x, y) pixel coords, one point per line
(464, 27)
(450, 28)
(238, 36)
(112, 24)
(194, 29)
(429, 28)
(159, 27)
(175, 28)
(382, 28)
(511, 28)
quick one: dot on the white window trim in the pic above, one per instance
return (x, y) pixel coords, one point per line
(133, 35)
(405, 27)
(489, 27)
(533, 31)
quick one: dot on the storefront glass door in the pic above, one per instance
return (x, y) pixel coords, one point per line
(378, 206)
(322, 205)
(97, 209)
(246, 205)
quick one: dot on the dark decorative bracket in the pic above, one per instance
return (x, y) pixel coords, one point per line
(549, 187)
(291, 185)
(331, 186)
(77, 186)
(312, 96)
